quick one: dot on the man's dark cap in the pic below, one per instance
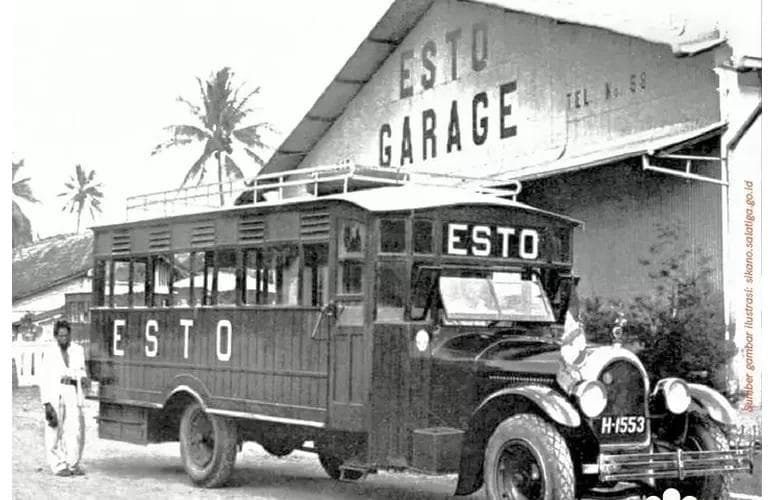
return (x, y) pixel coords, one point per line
(62, 323)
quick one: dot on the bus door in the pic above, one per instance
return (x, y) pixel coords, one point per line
(348, 380)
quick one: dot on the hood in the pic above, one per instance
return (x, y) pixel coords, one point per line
(521, 354)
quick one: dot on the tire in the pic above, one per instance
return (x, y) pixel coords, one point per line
(527, 456)
(704, 434)
(208, 446)
(332, 466)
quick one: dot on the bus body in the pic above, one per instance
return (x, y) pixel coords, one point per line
(396, 326)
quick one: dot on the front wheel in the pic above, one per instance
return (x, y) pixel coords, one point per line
(704, 435)
(527, 459)
(208, 446)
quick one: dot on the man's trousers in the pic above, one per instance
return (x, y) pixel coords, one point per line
(64, 443)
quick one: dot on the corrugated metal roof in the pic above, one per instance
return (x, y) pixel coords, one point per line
(381, 41)
(686, 28)
(49, 262)
(401, 17)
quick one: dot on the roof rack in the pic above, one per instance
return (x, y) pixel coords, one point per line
(299, 184)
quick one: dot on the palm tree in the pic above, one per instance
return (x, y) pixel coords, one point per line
(221, 111)
(21, 227)
(83, 191)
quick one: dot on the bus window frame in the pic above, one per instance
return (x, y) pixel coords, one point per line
(434, 235)
(407, 237)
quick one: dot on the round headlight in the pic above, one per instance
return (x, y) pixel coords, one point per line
(677, 396)
(592, 397)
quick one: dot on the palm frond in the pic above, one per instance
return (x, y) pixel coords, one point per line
(16, 165)
(22, 189)
(250, 136)
(80, 175)
(257, 159)
(246, 98)
(198, 168)
(232, 169)
(193, 108)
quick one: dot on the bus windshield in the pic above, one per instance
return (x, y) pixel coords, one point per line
(499, 297)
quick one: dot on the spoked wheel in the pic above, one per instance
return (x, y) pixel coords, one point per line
(519, 474)
(527, 459)
(208, 445)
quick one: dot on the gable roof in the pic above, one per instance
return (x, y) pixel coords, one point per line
(49, 262)
(403, 15)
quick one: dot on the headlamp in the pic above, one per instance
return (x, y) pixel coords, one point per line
(592, 397)
(676, 395)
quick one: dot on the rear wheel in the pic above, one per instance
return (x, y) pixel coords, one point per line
(527, 459)
(208, 446)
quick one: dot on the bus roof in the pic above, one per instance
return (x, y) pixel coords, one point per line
(392, 198)
(415, 197)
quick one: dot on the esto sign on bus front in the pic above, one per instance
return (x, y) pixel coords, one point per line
(490, 241)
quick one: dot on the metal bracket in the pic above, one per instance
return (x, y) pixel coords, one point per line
(686, 174)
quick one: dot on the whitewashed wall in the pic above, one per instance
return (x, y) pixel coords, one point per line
(577, 90)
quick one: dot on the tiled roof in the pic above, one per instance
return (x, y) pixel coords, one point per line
(48, 262)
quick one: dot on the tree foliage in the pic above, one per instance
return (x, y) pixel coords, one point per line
(83, 192)
(21, 228)
(220, 115)
(678, 327)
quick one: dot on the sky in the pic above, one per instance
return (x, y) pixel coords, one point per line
(94, 82)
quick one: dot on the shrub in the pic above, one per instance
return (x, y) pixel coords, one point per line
(678, 328)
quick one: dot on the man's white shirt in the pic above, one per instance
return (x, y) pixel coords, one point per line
(53, 369)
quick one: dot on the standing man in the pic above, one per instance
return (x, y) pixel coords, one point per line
(61, 392)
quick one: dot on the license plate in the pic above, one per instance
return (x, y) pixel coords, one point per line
(622, 425)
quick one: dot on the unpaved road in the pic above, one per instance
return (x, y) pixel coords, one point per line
(121, 470)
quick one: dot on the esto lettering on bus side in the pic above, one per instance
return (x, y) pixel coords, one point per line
(491, 241)
(222, 338)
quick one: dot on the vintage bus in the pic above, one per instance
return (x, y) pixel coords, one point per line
(383, 322)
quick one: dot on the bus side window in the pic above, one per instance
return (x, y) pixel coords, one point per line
(197, 274)
(162, 272)
(422, 236)
(120, 282)
(181, 281)
(101, 286)
(314, 280)
(226, 269)
(251, 272)
(392, 236)
(139, 283)
(391, 288)
(280, 273)
(351, 253)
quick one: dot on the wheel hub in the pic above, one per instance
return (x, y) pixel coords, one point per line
(519, 473)
(201, 442)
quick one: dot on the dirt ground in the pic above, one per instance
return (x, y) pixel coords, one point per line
(121, 470)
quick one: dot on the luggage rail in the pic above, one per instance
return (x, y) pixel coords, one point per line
(296, 184)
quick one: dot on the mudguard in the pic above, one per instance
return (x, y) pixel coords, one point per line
(709, 401)
(553, 404)
(190, 385)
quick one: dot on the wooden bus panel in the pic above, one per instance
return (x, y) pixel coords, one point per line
(266, 372)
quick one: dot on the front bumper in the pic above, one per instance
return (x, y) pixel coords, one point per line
(674, 464)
